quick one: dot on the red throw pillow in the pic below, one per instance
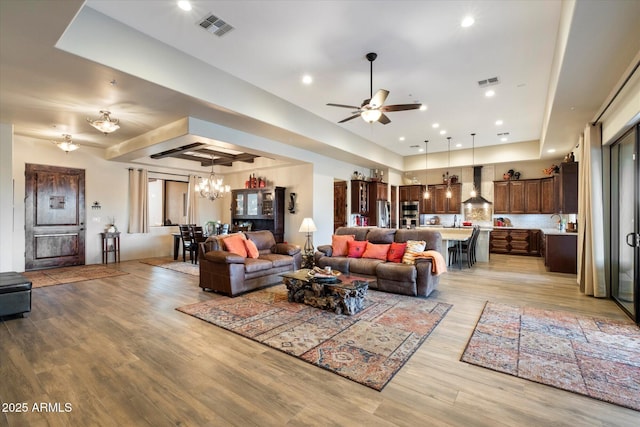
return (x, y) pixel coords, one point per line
(376, 251)
(396, 251)
(235, 244)
(252, 249)
(356, 248)
(339, 244)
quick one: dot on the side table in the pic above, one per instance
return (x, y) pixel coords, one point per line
(115, 246)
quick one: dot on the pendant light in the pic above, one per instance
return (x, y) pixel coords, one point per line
(449, 194)
(474, 191)
(426, 164)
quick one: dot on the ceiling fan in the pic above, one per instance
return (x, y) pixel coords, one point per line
(372, 109)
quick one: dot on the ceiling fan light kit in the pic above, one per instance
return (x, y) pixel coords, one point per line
(372, 110)
(105, 123)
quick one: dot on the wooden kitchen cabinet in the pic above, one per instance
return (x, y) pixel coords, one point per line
(515, 241)
(517, 196)
(561, 252)
(547, 196)
(378, 191)
(411, 193)
(501, 197)
(532, 196)
(442, 205)
(427, 204)
(567, 188)
(359, 197)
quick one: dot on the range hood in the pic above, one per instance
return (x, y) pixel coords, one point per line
(477, 183)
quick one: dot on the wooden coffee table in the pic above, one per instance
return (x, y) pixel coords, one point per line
(343, 297)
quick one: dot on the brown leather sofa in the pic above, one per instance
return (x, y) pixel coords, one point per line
(231, 274)
(398, 278)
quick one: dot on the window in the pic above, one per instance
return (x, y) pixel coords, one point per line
(167, 202)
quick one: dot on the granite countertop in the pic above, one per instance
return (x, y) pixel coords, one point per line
(549, 231)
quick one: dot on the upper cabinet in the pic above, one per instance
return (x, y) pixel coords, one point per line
(440, 204)
(555, 194)
(378, 191)
(359, 197)
(411, 193)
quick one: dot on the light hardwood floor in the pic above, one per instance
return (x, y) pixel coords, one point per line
(119, 353)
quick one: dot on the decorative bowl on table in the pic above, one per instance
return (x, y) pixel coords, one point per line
(321, 275)
(467, 223)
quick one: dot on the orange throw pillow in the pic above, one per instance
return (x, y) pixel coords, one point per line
(376, 251)
(252, 249)
(339, 244)
(396, 252)
(356, 248)
(235, 244)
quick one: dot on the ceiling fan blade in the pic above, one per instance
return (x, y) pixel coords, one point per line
(384, 119)
(349, 118)
(353, 107)
(400, 107)
(379, 98)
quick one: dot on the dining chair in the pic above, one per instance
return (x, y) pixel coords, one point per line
(197, 236)
(188, 244)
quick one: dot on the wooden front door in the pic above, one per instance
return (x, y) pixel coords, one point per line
(339, 204)
(54, 216)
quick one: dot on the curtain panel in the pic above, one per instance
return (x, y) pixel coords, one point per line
(591, 245)
(138, 201)
(192, 201)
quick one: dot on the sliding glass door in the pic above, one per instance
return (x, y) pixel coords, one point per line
(625, 229)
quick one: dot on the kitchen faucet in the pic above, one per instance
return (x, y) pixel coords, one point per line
(455, 217)
(559, 221)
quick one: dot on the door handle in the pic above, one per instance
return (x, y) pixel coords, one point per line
(635, 240)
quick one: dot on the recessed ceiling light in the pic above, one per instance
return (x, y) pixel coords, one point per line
(504, 139)
(442, 132)
(467, 21)
(423, 107)
(421, 149)
(458, 145)
(489, 93)
(551, 150)
(435, 125)
(184, 5)
(499, 122)
(307, 79)
(401, 138)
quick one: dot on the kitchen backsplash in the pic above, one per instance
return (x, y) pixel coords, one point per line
(534, 221)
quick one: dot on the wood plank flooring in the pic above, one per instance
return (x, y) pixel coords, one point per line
(119, 353)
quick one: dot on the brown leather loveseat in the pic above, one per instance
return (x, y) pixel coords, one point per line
(231, 274)
(407, 279)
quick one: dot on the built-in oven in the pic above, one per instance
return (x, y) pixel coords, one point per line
(409, 213)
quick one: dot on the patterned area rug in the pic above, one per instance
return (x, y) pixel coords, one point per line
(599, 358)
(369, 347)
(169, 263)
(59, 276)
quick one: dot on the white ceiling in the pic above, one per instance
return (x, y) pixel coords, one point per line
(553, 78)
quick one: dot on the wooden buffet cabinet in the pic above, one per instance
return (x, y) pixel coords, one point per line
(263, 207)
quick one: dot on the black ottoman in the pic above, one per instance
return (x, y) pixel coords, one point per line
(15, 294)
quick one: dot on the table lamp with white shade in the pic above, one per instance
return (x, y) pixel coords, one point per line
(308, 226)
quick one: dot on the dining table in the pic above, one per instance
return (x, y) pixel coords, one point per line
(454, 237)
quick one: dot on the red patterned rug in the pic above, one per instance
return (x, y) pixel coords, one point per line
(80, 273)
(596, 357)
(369, 347)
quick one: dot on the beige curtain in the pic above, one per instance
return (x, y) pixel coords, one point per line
(138, 201)
(192, 201)
(591, 270)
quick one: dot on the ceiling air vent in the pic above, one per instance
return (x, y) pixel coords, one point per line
(503, 134)
(215, 25)
(488, 82)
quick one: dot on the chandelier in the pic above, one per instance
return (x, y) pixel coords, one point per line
(212, 188)
(66, 145)
(105, 123)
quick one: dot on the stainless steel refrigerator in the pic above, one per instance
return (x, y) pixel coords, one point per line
(383, 209)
